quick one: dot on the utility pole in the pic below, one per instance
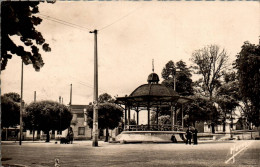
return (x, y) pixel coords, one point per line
(34, 96)
(70, 94)
(95, 97)
(21, 108)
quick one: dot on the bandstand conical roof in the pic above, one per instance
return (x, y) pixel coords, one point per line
(152, 94)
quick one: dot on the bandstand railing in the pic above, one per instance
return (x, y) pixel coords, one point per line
(165, 127)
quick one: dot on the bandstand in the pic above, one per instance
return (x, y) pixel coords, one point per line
(150, 97)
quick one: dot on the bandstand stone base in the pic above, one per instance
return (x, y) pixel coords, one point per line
(150, 137)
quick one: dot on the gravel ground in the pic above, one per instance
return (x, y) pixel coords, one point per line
(82, 154)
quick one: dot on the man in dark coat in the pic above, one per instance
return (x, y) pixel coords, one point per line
(195, 137)
(188, 135)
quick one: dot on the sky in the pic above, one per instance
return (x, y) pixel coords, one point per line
(130, 35)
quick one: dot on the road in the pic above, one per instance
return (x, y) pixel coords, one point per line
(82, 154)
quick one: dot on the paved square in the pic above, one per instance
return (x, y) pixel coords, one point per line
(81, 153)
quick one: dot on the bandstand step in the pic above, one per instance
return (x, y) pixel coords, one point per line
(150, 136)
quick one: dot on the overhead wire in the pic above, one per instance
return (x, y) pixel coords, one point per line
(119, 19)
(64, 23)
(79, 26)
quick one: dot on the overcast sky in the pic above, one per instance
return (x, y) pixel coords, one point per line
(131, 35)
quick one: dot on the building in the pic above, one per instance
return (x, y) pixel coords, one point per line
(79, 122)
(219, 127)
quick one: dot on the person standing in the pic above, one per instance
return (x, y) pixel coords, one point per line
(188, 135)
(70, 135)
(195, 136)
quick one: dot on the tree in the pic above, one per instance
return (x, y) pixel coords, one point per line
(248, 70)
(201, 109)
(46, 116)
(14, 96)
(18, 19)
(109, 116)
(105, 98)
(10, 112)
(227, 96)
(183, 77)
(210, 62)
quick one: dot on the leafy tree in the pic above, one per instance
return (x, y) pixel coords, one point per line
(109, 116)
(201, 109)
(18, 19)
(46, 116)
(210, 62)
(227, 96)
(105, 98)
(183, 77)
(10, 112)
(248, 70)
(14, 96)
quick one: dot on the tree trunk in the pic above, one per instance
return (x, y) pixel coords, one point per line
(212, 127)
(47, 136)
(224, 126)
(107, 135)
(33, 134)
(6, 134)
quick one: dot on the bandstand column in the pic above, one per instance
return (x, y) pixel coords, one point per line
(172, 117)
(129, 117)
(182, 120)
(137, 116)
(125, 116)
(157, 115)
(148, 117)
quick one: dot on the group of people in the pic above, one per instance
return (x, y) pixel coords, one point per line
(191, 133)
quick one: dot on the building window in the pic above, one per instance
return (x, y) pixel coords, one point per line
(31, 132)
(81, 131)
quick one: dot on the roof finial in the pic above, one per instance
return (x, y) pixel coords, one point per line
(153, 67)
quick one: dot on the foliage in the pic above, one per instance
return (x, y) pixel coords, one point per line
(109, 116)
(248, 70)
(164, 119)
(227, 96)
(133, 122)
(14, 96)
(210, 62)
(17, 18)
(201, 109)
(10, 112)
(183, 77)
(105, 98)
(46, 116)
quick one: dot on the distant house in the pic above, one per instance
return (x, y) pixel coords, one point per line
(79, 122)
(219, 127)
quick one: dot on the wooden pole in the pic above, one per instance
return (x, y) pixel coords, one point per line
(21, 108)
(70, 94)
(34, 96)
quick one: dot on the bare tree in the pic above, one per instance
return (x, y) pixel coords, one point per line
(210, 62)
